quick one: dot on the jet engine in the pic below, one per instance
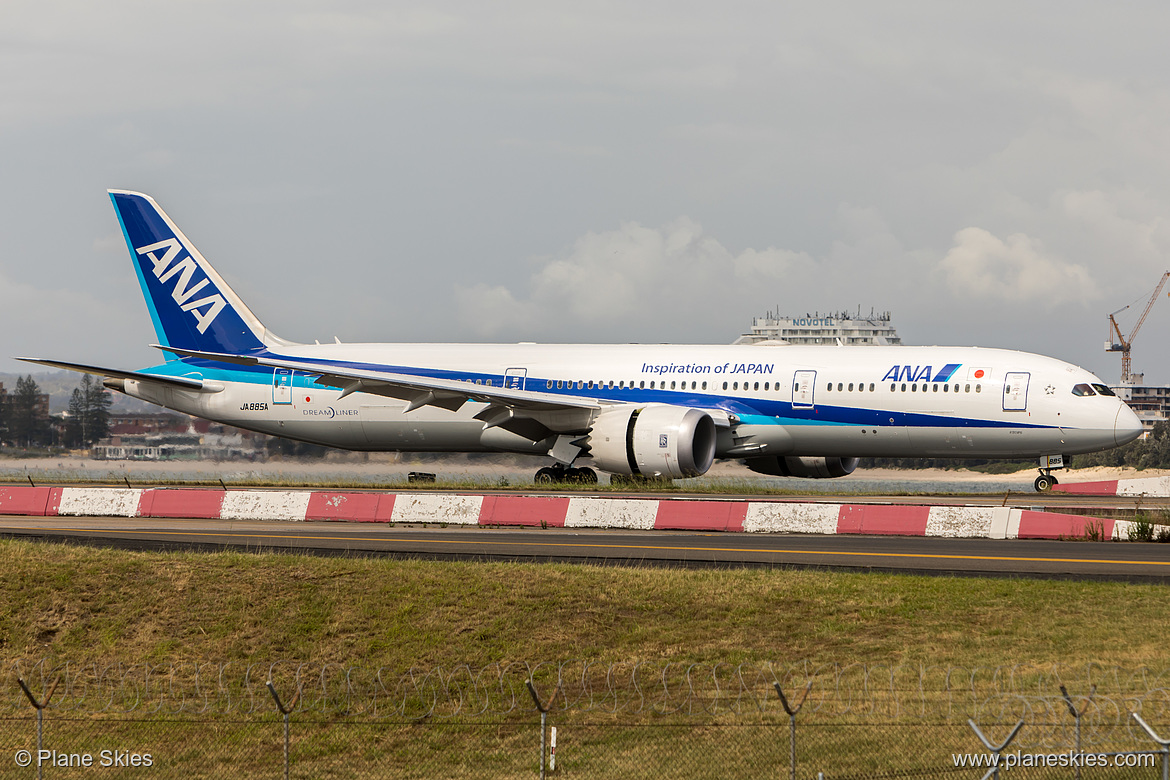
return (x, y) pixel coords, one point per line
(809, 468)
(656, 440)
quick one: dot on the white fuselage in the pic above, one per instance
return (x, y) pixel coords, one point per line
(772, 400)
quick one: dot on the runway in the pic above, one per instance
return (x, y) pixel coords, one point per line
(938, 556)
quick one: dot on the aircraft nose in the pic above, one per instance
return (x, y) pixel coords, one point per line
(1126, 426)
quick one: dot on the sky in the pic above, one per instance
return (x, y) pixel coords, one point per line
(993, 174)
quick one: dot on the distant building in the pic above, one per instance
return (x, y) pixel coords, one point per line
(162, 436)
(848, 328)
(1151, 403)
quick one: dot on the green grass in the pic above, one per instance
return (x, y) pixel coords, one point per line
(77, 603)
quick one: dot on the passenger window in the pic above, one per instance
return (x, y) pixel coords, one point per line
(765, 385)
(672, 385)
(547, 384)
(1103, 390)
(851, 387)
(830, 387)
(967, 388)
(724, 385)
(735, 386)
(694, 385)
(914, 388)
(641, 385)
(704, 385)
(871, 387)
(893, 387)
(903, 387)
(756, 386)
(934, 388)
(978, 388)
(840, 386)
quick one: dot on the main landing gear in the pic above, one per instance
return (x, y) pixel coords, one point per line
(562, 473)
(1048, 464)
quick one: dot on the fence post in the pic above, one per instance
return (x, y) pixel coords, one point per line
(996, 749)
(1077, 716)
(1163, 743)
(792, 724)
(544, 708)
(292, 705)
(40, 708)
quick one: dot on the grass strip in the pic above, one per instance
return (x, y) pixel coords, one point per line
(78, 603)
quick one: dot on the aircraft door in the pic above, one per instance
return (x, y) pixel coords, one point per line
(514, 378)
(281, 386)
(804, 385)
(1015, 391)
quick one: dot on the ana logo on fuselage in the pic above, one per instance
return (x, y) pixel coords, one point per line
(204, 310)
(920, 373)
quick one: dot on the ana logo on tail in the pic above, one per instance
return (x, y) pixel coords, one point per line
(204, 310)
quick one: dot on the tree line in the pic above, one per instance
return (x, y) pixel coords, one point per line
(25, 420)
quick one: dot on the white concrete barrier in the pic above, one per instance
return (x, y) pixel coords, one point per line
(265, 505)
(99, 502)
(636, 514)
(436, 508)
(771, 518)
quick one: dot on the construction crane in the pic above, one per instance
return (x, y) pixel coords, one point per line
(1122, 344)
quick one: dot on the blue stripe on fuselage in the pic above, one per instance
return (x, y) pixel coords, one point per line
(759, 411)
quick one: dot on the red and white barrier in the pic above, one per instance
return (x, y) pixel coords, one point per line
(737, 515)
(1142, 486)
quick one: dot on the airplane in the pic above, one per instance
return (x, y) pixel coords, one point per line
(634, 411)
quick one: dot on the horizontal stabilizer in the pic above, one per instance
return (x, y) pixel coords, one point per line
(185, 383)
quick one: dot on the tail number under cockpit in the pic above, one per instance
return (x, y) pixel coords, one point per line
(254, 407)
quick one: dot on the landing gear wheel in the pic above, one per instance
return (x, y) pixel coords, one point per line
(583, 476)
(546, 477)
(1044, 483)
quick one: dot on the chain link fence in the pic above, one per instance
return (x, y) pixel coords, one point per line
(581, 719)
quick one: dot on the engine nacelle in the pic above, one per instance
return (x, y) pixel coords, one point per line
(656, 440)
(808, 468)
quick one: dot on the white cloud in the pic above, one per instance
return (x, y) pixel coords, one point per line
(1015, 270)
(630, 278)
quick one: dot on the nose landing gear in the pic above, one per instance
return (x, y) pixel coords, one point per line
(1048, 464)
(1044, 483)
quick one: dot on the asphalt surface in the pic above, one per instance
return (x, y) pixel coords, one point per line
(939, 556)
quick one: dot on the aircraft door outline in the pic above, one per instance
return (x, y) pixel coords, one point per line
(1015, 391)
(282, 386)
(804, 386)
(514, 378)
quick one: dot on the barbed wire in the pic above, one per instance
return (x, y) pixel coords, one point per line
(837, 693)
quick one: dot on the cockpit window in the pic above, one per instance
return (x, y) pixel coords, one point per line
(1082, 389)
(1103, 390)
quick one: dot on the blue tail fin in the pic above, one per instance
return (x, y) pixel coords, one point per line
(191, 305)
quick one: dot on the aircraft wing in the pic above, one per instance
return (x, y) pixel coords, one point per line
(185, 383)
(508, 407)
